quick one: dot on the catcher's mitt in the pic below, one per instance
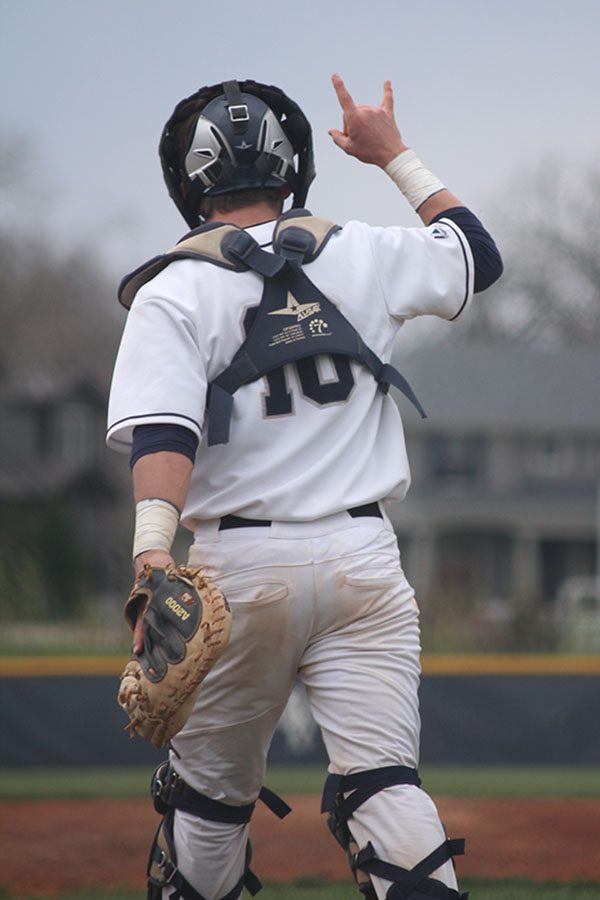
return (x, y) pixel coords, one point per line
(187, 624)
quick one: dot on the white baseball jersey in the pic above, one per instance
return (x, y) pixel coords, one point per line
(311, 439)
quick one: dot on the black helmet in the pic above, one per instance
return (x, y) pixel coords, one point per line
(231, 137)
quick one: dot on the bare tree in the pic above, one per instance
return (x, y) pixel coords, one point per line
(59, 328)
(550, 292)
(58, 311)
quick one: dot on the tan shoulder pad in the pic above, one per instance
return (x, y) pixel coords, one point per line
(320, 229)
(203, 245)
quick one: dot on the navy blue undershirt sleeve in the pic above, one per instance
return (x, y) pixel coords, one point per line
(486, 256)
(154, 438)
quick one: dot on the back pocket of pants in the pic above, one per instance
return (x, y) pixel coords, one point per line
(376, 577)
(251, 596)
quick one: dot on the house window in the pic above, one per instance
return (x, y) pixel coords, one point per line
(457, 461)
(551, 457)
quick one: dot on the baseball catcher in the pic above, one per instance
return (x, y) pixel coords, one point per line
(187, 624)
(264, 422)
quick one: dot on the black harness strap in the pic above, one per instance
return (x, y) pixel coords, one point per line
(220, 409)
(295, 320)
(363, 785)
(406, 881)
(390, 375)
(162, 861)
(296, 244)
(238, 110)
(185, 891)
(301, 219)
(274, 802)
(170, 791)
(240, 247)
(414, 883)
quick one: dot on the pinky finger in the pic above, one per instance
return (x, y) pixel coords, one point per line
(388, 98)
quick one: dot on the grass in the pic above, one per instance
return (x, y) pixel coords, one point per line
(312, 889)
(515, 781)
(477, 781)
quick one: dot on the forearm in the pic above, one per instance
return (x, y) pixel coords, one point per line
(433, 201)
(165, 475)
(437, 204)
(160, 485)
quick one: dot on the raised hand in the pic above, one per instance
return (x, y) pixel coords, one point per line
(370, 132)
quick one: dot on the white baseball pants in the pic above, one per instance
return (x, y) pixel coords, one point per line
(325, 601)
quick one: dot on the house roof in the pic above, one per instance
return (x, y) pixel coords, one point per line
(503, 387)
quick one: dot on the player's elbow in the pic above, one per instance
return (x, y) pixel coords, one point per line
(488, 266)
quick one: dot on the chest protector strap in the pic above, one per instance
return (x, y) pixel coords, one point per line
(294, 320)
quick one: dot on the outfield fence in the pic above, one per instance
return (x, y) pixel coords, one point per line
(481, 710)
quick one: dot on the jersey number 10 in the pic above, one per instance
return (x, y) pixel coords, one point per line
(278, 400)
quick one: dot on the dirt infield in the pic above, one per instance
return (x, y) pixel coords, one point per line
(56, 846)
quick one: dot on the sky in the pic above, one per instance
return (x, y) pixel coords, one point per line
(487, 94)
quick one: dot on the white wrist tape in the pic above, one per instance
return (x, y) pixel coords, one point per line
(156, 522)
(415, 181)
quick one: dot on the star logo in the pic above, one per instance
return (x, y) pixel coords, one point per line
(295, 308)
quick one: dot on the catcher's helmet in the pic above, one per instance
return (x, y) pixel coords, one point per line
(231, 137)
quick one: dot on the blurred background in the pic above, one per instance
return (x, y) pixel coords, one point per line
(499, 534)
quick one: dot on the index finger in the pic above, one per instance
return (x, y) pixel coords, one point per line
(346, 101)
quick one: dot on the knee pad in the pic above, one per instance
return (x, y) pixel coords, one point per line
(170, 792)
(407, 884)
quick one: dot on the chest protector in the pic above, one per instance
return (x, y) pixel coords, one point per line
(294, 320)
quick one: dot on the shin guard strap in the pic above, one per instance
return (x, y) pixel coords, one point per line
(406, 881)
(185, 891)
(163, 871)
(274, 802)
(364, 785)
(170, 791)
